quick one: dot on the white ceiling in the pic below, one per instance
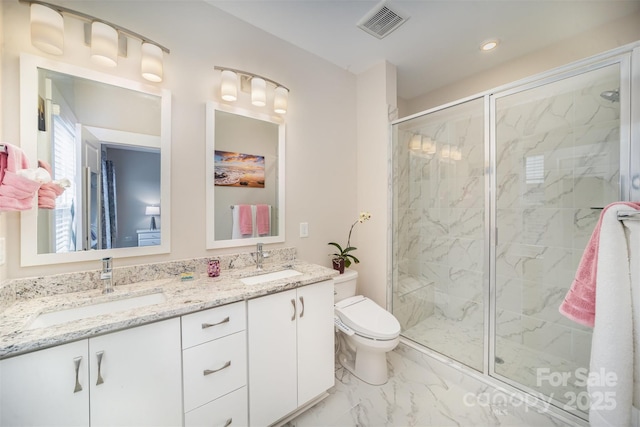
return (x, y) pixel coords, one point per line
(439, 44)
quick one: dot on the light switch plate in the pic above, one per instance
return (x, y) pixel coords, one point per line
(304, 229)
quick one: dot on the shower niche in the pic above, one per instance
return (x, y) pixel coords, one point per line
(494, 200)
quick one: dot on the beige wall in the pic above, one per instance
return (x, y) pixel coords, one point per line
(321, 129)
(607, 37)
(376, 108)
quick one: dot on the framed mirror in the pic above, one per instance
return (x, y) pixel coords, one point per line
(108, 140)
(245, 194)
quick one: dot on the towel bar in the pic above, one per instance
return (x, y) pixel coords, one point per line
(3, 148)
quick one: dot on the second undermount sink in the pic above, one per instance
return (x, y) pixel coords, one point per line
(91, 310)
(270, 277)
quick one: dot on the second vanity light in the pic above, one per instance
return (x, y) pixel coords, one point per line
(254, 83)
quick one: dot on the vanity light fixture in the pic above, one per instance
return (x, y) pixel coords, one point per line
(107, 40)
(415, 143)
(255, 84)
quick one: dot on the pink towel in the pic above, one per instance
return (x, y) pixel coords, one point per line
(245, 219)
(48, 191)
(262, 219)
(16, 191)
(579, 304)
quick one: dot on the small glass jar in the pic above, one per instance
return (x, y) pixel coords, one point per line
(213, 269)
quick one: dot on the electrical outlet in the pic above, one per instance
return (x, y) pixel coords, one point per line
(304, 229)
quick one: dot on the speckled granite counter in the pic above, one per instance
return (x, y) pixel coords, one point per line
(203, 292)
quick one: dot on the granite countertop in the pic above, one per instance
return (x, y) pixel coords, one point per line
(17, 336)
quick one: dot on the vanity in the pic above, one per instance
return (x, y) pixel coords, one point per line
(167, 352)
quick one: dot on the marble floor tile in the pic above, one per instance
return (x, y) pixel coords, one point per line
(416, 396)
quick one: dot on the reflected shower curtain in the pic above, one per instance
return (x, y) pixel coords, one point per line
(109, 229)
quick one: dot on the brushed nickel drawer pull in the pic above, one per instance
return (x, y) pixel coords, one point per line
(99, 355)
(208, 325)
(302, 302)
(228, 423)
(213, 371)
(76, 362)
(293, 303)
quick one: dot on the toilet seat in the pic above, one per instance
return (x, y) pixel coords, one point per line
(367, 318)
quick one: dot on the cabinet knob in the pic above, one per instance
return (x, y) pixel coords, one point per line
(208, 325)
(76, 362)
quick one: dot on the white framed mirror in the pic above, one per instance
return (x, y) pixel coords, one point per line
(245, 185)
(110, 137)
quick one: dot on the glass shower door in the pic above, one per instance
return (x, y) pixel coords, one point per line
(439, 220)
(557, 157)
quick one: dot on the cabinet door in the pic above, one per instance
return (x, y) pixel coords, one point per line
(136, 376)
(316, 363)
(271, 329)
(46, 388)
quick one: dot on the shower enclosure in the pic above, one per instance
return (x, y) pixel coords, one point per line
(494, 200)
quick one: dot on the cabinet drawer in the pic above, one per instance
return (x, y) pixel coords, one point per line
(229, 410)
(148, 242)
(213, 369)
(208, 325)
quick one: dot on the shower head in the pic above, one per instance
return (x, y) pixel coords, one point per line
(611, 95)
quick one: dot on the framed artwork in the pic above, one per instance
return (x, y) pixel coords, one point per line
(238, 169)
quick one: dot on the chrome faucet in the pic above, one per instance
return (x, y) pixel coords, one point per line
(260, 256)
(107, 275)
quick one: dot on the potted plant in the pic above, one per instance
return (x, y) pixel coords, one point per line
(343, 258)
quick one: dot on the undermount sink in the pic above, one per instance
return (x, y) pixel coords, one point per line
(86, 311)
(270, 277)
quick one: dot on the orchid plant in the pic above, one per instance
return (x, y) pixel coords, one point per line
(345, 253)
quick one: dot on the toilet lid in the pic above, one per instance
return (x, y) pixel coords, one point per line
(367, 318)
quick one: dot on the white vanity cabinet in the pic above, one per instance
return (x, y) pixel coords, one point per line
(291, 343)
(214, 360)
(46, 388)
(125, 378)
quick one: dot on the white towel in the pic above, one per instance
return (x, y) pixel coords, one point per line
(612, 348)
(235, 223)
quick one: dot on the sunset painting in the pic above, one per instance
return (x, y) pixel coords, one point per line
(239, 170)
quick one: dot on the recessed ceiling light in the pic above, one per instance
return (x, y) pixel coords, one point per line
(489, 45)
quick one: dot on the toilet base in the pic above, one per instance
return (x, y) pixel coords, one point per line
(370, 368)
(367, 363)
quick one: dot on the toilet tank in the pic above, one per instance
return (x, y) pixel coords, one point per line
(344, 285)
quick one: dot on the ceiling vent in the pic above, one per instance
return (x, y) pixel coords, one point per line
(382, 20)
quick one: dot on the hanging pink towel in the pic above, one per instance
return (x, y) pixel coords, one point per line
(262, 219)
(16, 191)
(245, 218)
(579, 304)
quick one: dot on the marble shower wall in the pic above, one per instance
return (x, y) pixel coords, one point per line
(557, 151)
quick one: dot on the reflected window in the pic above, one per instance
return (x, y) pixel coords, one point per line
(64, 166)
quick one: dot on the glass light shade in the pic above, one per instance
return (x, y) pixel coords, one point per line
(415, 143)
(104, 44)
(47, 29)
(428, 146)
(151, 65)
(229, 85)
(456, 153)
(446, 151)
(281, 100)
(258, 92)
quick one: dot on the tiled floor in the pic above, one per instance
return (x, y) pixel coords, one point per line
(417, 396)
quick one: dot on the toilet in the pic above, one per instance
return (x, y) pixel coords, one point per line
(367, 331)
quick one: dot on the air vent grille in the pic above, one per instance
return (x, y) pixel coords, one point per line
(382, 20)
